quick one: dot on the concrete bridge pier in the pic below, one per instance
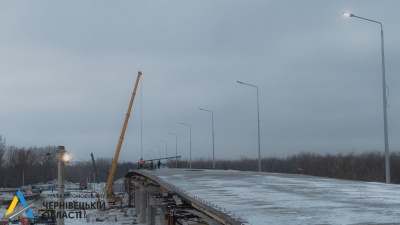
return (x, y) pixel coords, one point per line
(162, 216)
(130, 189)
(137, 197)
(143, 204)
(151, 211)
(157, 203)
(151, 215)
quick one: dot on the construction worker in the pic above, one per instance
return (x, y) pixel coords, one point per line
(141, 163)
(159, 164)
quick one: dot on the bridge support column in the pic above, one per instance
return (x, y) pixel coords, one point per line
(163, 210)
(150, 215)
(153, 214)
(151, 210)
(137, 197)
(130, 188)
(143, 203)
(156, 202)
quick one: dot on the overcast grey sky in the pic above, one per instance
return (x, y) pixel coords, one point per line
(68, 69)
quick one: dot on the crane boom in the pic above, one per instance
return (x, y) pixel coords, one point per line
(121, 139)
(94, 168)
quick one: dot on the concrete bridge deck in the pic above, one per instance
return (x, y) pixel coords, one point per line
(268, 198)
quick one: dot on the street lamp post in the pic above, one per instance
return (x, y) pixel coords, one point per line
(166, 147)
(258, 122)
(190, 144)
(386, 140)
(63, 158)
(159, 152)
(176, 148)
(212, 122)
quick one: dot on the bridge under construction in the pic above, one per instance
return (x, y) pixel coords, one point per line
(189, 196)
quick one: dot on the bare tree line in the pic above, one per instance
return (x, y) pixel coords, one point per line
(367, 166)
(20, 165)
(83, 170)
(23, 166)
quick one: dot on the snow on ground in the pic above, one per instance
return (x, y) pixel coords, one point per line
(85, 196)
(267, 198)
(6, 196)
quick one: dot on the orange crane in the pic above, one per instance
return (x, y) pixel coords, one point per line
(110, 194)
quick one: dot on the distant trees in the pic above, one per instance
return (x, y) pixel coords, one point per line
(2, 154)
(20, 165)
(367, 166)
(81, 170)
(39, 164)
(33, 165)
(26, 165)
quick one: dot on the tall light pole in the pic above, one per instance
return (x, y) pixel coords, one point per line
(159, 152)
(212, 122)
(166, 148)
(63, 158)
(190, 144)
(176, 148)
(258, 122)
(141, 119)
(385, 126)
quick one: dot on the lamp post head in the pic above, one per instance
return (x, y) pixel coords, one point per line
(239, 82)
(206, 110)
(66, 157)
(346, 14)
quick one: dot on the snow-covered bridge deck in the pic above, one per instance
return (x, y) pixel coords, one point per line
(268, 198)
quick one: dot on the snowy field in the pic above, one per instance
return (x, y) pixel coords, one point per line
(267, 198)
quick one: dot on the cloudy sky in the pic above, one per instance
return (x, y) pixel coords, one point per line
(68, 69)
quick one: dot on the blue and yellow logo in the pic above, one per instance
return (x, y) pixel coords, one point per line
(23, 202)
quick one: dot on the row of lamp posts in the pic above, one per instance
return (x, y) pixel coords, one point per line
(386, 142)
